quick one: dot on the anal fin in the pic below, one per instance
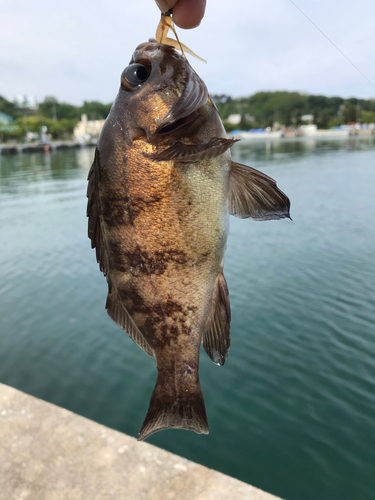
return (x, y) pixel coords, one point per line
(216, 336)
(117, 312)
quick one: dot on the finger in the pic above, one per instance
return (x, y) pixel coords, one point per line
(165, 5)
(188, 13)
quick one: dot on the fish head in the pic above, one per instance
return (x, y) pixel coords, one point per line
(160, 94)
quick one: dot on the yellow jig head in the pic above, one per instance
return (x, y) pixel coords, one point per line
(164, 26)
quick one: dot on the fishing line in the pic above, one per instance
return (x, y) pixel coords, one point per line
(330, 41)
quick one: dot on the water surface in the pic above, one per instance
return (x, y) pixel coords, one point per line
(293, 409)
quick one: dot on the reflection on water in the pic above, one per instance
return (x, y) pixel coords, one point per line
(18, 170)
(293, 409)
(292, 149)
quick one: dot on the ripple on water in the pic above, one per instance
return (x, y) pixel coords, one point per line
(293, 409)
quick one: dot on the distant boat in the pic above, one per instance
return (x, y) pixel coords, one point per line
(313, 131)
(258, 134)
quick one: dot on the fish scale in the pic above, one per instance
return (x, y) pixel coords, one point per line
(160, 191)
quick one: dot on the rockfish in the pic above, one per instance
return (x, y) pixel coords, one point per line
(160, 191)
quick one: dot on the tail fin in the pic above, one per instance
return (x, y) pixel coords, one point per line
(185, 412)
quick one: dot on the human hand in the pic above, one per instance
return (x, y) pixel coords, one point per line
(186, 13)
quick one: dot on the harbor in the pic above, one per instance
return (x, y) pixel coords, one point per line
(17, 148)
(292, 410)
(304, 132)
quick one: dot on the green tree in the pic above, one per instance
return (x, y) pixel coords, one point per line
(367, 117)
(9, 108)
(323, 119)
(52, 108)
(95, 110)
(59, 129)
(10, 132)
(350, 112)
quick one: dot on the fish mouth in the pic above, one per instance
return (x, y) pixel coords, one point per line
(185, 111)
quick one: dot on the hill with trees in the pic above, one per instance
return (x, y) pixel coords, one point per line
(262, 109)
(287, 108)
(60, 118)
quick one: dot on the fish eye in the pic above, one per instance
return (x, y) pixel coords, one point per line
(134, 75)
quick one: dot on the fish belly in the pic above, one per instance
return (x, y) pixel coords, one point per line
(178, 216)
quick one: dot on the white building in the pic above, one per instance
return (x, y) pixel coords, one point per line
(234, 119)
(307, 118)
(86, 130)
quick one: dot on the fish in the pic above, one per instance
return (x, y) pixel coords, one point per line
(160, 191)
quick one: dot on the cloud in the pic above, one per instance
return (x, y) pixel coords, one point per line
(77, 50)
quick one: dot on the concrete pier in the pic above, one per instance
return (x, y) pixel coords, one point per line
(49, 453)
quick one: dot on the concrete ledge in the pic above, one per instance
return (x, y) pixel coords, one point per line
(48, 453)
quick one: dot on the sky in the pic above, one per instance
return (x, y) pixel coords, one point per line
(76, 50)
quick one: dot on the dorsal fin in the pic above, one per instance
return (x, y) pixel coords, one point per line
(255, 195)
(216, 336)
(93, 213)
(115, 308)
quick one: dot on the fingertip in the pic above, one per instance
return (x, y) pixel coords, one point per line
(165, 5)
(186, 26)
(188, 14)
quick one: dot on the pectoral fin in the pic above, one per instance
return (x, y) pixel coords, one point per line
(194, 152)
(255, 195)
(216, 336)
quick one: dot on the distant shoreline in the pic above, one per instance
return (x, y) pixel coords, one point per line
(15, 148)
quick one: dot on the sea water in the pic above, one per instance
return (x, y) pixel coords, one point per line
(293, 409)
